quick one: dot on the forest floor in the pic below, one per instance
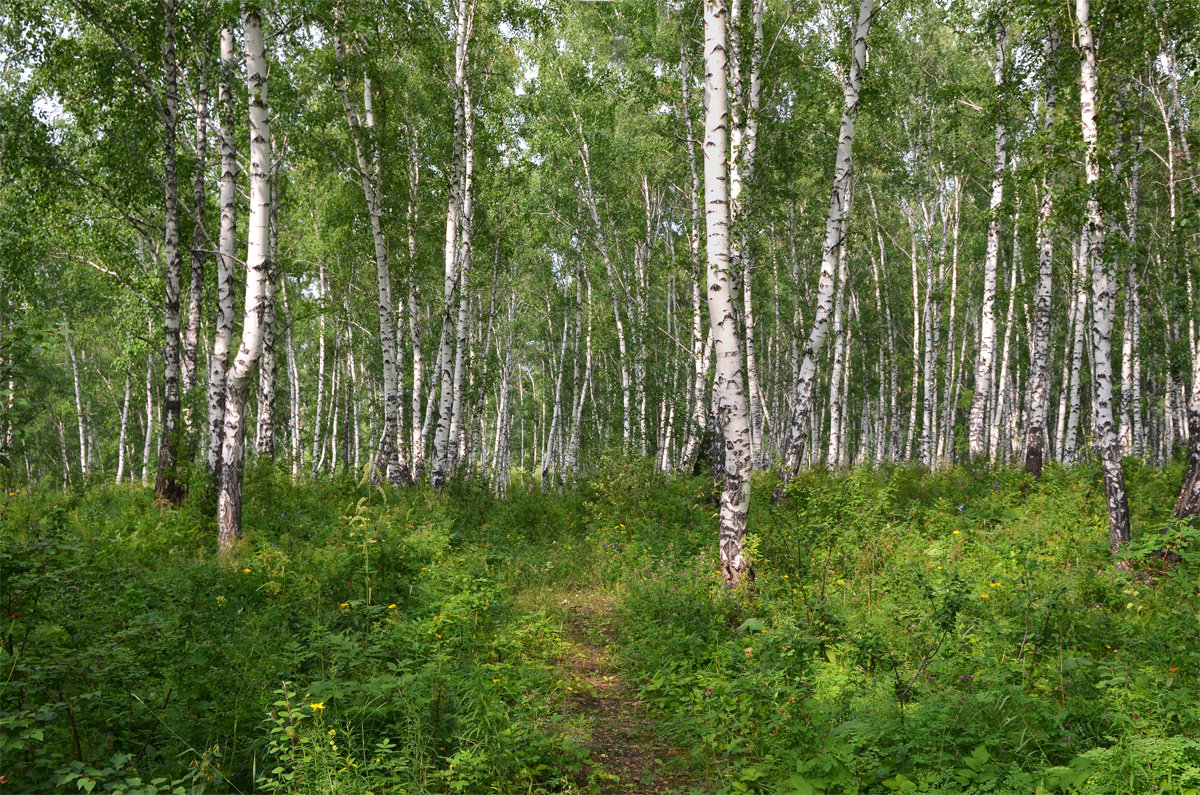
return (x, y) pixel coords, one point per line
(443, 642)
(629, 754)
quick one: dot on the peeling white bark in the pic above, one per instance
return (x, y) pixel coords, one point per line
(239, 377)
(835, 234)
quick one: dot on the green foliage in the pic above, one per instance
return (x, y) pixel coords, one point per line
(929, 633)
(131, 653)
(911, 632)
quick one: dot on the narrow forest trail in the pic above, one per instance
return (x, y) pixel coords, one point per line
(628, 752)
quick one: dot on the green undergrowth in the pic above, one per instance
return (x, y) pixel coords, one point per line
(933, 633)
(909, 632)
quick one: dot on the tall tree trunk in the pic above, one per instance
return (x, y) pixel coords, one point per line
(701, 343)
(1035, 432)
(746, 97)
(293, 376)
(946, 437)
(264, 433)
(191, 339)
(1129, 396)
(911, 428)
(124, 427)
(835, 234)
(80, 416)
(1188, 504)
(218, 363)
(417, 438)
(836, 395)
(168, 484)
(318, 447)
(444, 440)
(1070, 446)
(987, 338)
(239, 377)
(1103, 294)
(729, 394)
(588, 198)
(573, 445)
(148, 439)
(1002, 404)
(370, 172)
(556, 405)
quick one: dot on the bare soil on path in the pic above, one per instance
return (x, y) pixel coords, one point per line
(628, 752)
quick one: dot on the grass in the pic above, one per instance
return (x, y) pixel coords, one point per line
(910, 632)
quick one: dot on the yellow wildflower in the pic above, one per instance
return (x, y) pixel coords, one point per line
(317, 706)
(391, 607)
(245, 571)
(955, 533)
(983, 596)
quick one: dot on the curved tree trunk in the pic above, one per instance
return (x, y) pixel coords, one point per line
(239, 378)
(835, 234)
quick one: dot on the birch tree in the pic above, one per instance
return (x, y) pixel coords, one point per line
(1103, 294)
(985, 364)
(1039, 391)
(226, 254)
(168, 484)
(729, 395)
(835, 237)
(456, 252)
(240, 376)
(365, 136)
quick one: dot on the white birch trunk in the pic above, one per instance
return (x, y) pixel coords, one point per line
(293, 376)
(417, 437)
(729, 394)
(835, 233)
(318, 439)
(168, 485)
(218, 363)
(80, 417)
(124, 428)
(987, 339)
(836, 395)
(370, 174)
(147, 444)
(1038, 385)
(238, 379)
(264, 432)
(701, 343)
(444, 439)
(946, 437)
(1070, 447)
(1002, 403)
(191, 339)
(1103, 295)
(1129, 397)
(572, 459)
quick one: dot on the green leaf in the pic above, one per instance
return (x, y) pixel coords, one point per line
(751, 625)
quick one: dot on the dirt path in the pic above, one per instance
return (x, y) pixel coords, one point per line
(628, 753)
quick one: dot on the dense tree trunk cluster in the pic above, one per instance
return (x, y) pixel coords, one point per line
(993, 280)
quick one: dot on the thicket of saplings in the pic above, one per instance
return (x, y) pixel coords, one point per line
(910, 632)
